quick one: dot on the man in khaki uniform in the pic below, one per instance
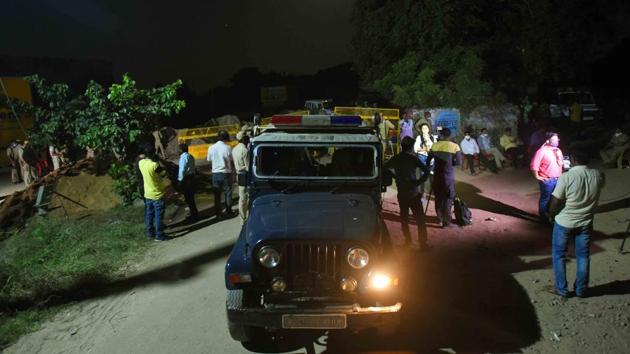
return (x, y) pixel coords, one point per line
(26, 157)
(14, 162)
(240, 154)
(384, 127)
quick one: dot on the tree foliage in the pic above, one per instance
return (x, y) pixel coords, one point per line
(117, 118)
(112, 121)
(450, 78)
(506, 46)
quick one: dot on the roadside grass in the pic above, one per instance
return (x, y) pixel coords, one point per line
(50, 256)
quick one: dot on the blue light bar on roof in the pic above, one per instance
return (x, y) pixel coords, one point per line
(346, 120)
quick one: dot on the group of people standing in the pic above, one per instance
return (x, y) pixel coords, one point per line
(442, 155)
(225, 163)
(567, 199)
(28, 164)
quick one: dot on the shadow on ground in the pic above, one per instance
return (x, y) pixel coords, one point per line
(92, 287)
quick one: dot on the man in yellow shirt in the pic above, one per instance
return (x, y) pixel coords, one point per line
(512, 147)
(154, 191)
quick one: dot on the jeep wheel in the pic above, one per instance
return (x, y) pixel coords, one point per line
(235, 301)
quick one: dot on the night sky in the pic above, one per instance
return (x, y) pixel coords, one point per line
(202, 42)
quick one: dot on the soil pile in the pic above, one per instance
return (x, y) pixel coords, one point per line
(95, 192)
(83, 193)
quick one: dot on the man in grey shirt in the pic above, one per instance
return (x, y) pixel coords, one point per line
(572, 209)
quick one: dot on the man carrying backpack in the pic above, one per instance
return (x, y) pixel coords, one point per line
(446, 154)
(405, 166)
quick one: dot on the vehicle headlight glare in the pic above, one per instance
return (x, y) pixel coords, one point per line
(268, 257)
(380, 281)
(349, 284)
(358, 258)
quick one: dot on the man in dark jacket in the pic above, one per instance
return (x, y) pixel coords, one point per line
(405, 166)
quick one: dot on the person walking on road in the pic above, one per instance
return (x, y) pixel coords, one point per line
(406, 165)
(220, 158)
(446, 154)
(154, 192)
(240, 153)
(14, 162)
(186, 180)
(546, 165)
(572, 210)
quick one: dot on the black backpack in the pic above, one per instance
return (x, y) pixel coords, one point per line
(463, 216)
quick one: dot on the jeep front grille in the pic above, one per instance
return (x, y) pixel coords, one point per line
(313, 266)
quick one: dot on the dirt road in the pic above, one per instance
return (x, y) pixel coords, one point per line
(480, 290)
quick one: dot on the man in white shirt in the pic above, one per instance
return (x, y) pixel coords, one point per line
(241, 160)
(470, 149)
(220, 158)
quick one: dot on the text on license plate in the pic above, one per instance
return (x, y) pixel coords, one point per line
(314, 321)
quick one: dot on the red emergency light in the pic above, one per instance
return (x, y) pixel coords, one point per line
(286, 120)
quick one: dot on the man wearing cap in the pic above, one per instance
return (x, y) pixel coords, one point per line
(446, 154)
(240, 154)
(546, 165)
(220, 158)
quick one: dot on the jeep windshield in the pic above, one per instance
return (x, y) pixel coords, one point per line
(312, 162)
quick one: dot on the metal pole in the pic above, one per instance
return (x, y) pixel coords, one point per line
(6, 94)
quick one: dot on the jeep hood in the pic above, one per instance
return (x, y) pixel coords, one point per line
(312, 216)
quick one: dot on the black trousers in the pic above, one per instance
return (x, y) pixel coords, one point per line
(415, 204)
(471, 163)
(188, 189)
(444, 191)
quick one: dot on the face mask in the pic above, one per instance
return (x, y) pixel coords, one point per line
(617, 134)
(484, 134)
(554, 143)
(467, 137)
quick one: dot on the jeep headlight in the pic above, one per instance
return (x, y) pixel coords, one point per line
(268, 257)
(357, 257)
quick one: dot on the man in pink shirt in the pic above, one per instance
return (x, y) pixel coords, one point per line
(547, 167)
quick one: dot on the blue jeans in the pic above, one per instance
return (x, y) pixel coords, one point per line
(546, 188)
(153, 218)
(559, 245)
(222, 182)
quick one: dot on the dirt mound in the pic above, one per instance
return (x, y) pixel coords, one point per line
(19, 206)
(87, 193)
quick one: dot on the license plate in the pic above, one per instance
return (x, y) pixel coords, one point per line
(314, 321)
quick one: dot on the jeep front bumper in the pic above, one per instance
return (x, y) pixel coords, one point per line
(353, 317)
